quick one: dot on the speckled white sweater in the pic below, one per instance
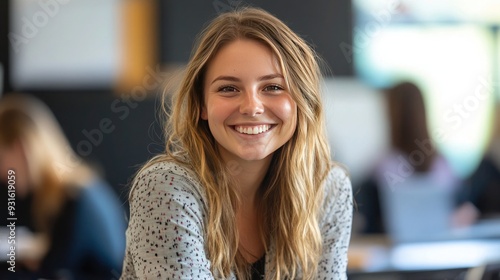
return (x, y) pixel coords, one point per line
(166, 236)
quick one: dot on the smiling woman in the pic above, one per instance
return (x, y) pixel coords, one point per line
(245, 188)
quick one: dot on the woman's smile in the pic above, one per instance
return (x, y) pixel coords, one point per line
(252, 129)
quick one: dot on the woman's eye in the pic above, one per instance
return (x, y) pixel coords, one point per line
(227, 89)
(273, 88)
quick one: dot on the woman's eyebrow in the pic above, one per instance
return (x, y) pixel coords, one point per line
(270, 77)
(235, 79)
(226, 78)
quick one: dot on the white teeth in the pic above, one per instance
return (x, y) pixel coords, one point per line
(253, 129)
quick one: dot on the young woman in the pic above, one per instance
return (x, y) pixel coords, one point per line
(246, 188)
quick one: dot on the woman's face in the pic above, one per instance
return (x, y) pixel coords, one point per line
(248, 108)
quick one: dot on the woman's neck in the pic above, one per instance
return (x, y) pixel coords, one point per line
(248, 176)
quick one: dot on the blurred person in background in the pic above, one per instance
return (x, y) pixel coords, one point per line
(481, 190)
(412, 155)
(75, 214)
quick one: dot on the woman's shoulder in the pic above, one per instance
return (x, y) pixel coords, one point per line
(167, 176)
(166, 167)
(337, 186)
(337, 180)
(338, 198)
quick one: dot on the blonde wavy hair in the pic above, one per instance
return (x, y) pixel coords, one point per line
(52, 165)
(291, 194)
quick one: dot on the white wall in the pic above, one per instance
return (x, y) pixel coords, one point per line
(356, 124)
(65, 43)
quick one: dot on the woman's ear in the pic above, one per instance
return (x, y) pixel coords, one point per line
(204, 115)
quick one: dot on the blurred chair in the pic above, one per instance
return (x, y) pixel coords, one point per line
(419, 210)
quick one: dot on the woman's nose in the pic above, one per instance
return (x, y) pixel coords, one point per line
(251, 104)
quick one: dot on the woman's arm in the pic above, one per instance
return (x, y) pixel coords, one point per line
(336, 226)
(165, 237)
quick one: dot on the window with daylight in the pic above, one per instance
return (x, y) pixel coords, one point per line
(450, 52)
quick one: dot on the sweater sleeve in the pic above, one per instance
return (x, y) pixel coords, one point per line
(165, 236)
(336, 225)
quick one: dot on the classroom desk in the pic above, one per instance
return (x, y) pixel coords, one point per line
(374, 258)
(455, 251)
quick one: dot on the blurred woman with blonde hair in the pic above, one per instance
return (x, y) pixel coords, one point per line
(76, 213)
